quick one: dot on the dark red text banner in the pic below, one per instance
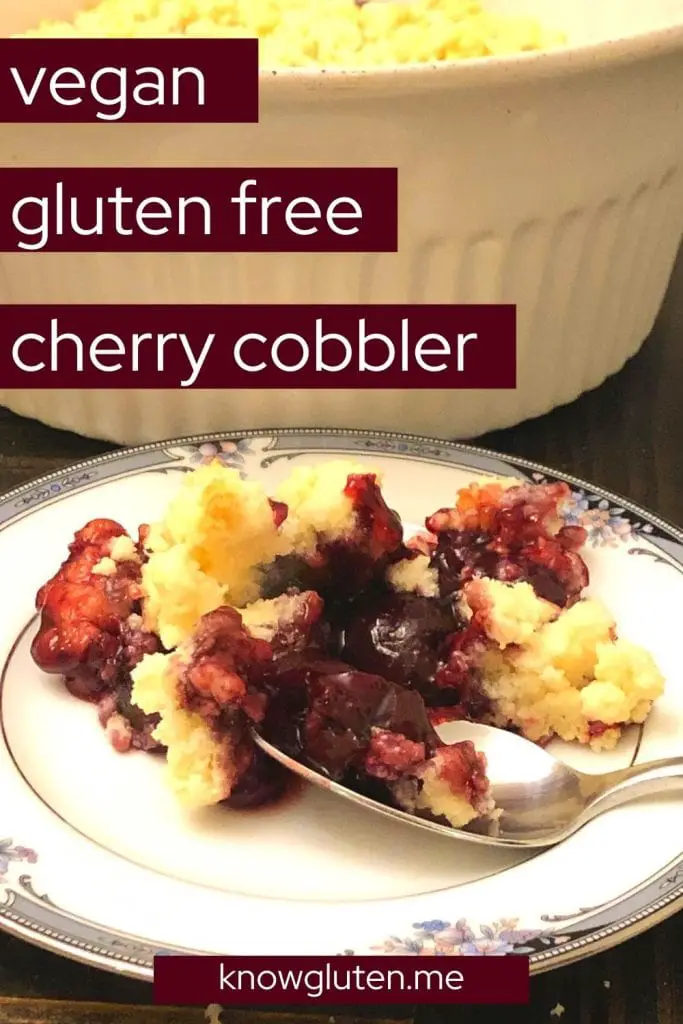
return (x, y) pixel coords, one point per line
(206, 209)
(258, 981)
(137, 80)
(410, 347)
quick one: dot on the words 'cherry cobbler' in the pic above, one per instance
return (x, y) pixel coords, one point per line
(309, 615)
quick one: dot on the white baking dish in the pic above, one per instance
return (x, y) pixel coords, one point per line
(553, 181)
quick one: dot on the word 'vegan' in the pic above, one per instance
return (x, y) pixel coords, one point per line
(110, 88)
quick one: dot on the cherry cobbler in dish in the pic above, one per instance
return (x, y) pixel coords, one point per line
(309, 616)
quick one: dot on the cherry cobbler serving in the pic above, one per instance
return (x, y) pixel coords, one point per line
(309, 616)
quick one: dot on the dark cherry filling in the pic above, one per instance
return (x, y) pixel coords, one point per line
(280, 511)
(87, 634)
(379, 530)
(505, 535)
(220, 672)
(339, 570)
(127, 726)
(327, 714)
(262, 782)
(363, 731)
(421, 643)
(402, 637)
(220, 681)
(596, 729)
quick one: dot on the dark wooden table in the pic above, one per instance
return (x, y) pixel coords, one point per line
(626, 436)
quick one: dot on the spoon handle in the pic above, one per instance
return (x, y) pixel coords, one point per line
(648, 779)
(664, 768)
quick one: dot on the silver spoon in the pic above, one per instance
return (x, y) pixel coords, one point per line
(540, 801)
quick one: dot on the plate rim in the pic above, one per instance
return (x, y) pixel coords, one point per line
(604, 938)
(251, 433)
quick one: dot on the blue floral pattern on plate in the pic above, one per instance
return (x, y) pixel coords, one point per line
(228, 453)
(459, 938)
(606, 524)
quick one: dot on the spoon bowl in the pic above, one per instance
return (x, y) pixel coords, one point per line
(539, 800)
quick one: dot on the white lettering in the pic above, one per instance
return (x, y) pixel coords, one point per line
(333, 214)
(96, 353)
(118, 101)
(28, 97)
(41, 228)
(137, 340)
(313, 980)
(42, 218)
(16, 358)
(118, 201)
(363, 340)
(462, 341)
(267, 980)
(375, 980)
(275, 352)
(79, 354)
(226, 979)
(323, 339)
(291, 212)
(297, 210)
(186, 356)
(155, 87)
(144, 213)
(239, 345)
(184, 203)
(422, 352)
(57, 86)
(196, 362)
(265, 207)
(56, 338)
(241, 200)
(109, 86)
(179, 73)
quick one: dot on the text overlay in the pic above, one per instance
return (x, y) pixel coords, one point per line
(406, 347)
(314, 209)
(68, 81)
(258, 981)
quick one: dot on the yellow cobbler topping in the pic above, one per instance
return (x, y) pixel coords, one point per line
(330, 33)
(561, 673)
(207, 550)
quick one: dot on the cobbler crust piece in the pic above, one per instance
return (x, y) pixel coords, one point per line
(201, 693)
(450, 787)
(338, 501)
(573, 678)
(341, 533)
(208, 550)
(206, 693)
(509, 533)
(91, 629)
(285, 622)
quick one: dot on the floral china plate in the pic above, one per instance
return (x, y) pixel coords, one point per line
(98, 863)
